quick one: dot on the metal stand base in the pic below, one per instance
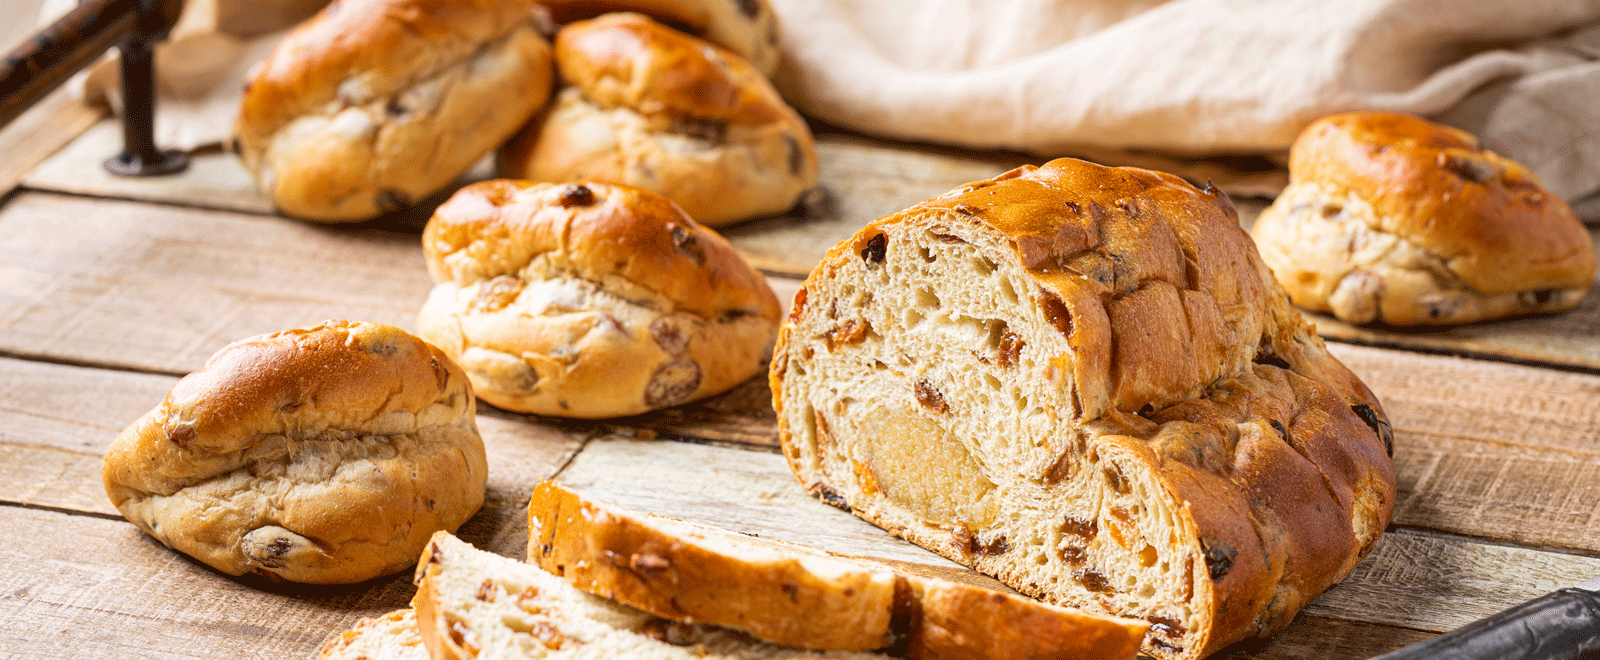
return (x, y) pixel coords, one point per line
(135, 164)
(139, 156)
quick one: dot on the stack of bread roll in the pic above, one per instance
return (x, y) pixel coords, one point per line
(376, 105)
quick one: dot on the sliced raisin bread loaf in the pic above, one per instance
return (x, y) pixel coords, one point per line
(1083, 381)
(795, 595)
(476, 604)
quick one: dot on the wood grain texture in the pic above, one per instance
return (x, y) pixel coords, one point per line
(1412, 580)
(215, 179)
(41, 131)
(1490, 449)
(1317, 638)
(55, 425)
(102, 589)
(162, 288)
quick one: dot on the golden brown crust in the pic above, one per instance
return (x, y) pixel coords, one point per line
(1395, 219)
(628, 60)
(325, 455)
(432, 626)
(798, 596)
(1152, 311)
(1489, 216)
(623, 556)
(374, 104)
(746, 27)
(650, 107)
(503, 224)
(958, 623)
(590, 300)
(1143, 308)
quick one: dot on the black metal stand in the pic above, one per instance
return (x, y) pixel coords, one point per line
(140, 156)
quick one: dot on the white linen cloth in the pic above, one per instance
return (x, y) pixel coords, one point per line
(1198, 77)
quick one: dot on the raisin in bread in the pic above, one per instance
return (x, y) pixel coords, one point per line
(794, 595)
(475, 604)
(1393, 219)
(1082, 381)
(392, 636)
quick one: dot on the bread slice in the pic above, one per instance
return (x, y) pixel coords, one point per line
(1083, 381)
(475, 604)
(392, 636)
(795, 595)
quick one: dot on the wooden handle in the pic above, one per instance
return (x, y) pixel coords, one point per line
(60, 50)
(1559, 626)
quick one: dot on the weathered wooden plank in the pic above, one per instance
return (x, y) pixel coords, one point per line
(1420, 581)
(1324, 639)
(1490, 449)
(162, 288)
(215, 179)
(56, 422)
(1437, 583)
(40, 132)
(101, 589)
(860, 179)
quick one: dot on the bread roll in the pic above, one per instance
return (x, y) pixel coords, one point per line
(374, 104)
(1082, 381)
(649, 107)
(749, 28)
(590, 300)
(324, 455)
(392, 636)
(1393, 219)
(475, 604)
(794, 595)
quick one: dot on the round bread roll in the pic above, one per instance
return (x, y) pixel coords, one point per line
(375, 104)
(1396, 220)
(323, 455)
(590, 300)
(746, 27)
(656, 109)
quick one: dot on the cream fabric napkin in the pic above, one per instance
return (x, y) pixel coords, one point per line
(1199, 77)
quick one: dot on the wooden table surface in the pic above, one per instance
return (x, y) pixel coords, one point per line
(112, 289)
